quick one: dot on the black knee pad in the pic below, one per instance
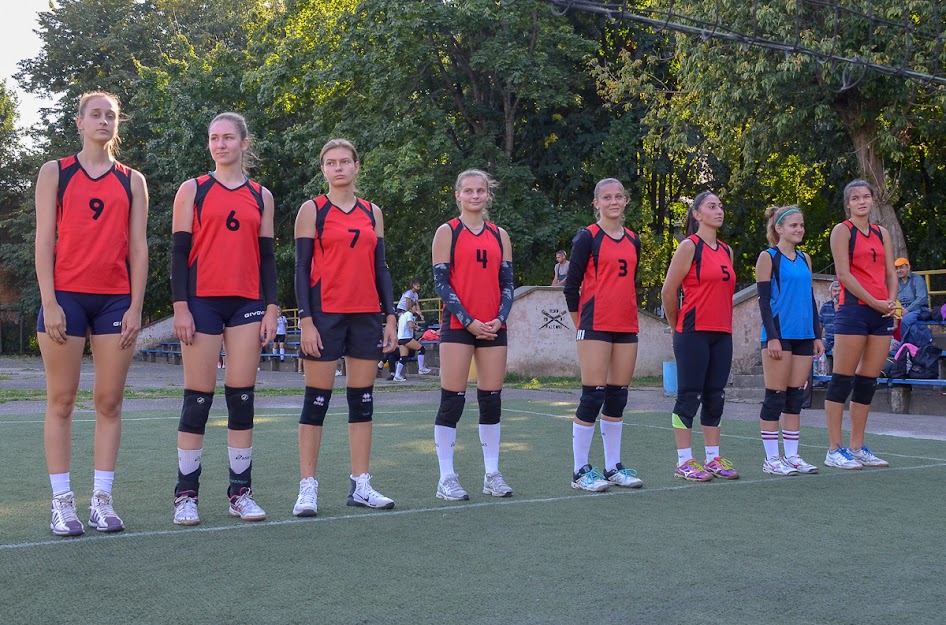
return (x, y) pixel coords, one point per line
(615, 399)
(794, 398)
(239, 407)
(422, 350)
(195, 412)
(864, 388)
(592, 398)
(685, 409)
(315, 405)
(773, 405)
(491, 406)
(360, 404)
(713, 404)
(839, 388)
(451, 408)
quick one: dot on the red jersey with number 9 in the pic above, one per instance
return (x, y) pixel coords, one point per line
(608, 290)
(225, 259)
(343, 271)
(92, 229)
(868, 263)
(474, 271)
(708, 289)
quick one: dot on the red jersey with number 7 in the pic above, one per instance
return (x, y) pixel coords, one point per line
(868, 260)
(474, 271)
(225, 259)
(92, 216)
(343, 264)
(608, 291)
(708, 289)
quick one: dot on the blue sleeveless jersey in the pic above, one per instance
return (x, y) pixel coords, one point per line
(791, 296)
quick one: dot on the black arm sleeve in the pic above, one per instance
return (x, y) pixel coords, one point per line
(267, 269)
(506, 290)
(815, 319)
(581, 253)
(305, 247)
(180, 253)
(382, 278)
(446, 293)
(765, 307)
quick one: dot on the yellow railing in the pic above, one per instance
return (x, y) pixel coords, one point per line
(934, 278)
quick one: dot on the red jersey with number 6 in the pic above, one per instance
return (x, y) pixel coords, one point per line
(474, 272)
(92, 229)
(608, 291)
(343, 269)
(868, 263)
(225, 259)
(708, 289)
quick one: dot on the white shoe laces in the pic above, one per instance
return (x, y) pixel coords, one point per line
(103, 505)
(67, 508)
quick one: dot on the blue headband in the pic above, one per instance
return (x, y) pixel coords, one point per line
(788, 212)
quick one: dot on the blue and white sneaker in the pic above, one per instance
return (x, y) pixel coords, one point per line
(867, 458)
(590, 479)
(102, 515)
(621, 476)
(841, 458)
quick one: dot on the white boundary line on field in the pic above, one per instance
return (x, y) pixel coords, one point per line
(212, 416)
(441, 509)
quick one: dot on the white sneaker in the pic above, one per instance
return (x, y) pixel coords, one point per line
(841, 458)
(620, 476)
(185, 509)
(867, 458)
(449, 488)
(799, 463)
(245, 507)
(590, 479)
(423, 371)
(307, 503)
(361, 494)
(63, 519)
(399, 378)
(495, 485)
(102, 515)
(776, 466)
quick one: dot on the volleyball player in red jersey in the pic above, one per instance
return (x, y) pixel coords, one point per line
(473, 275)
(702, 336)
(342, 287)
(863, 259)
(223, 279)
(91, 264)
(601, 294)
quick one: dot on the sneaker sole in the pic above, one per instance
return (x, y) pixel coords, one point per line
(578, 486)
(779, 474)
(709, 478)
(236, 513)
(496, 493)
(78, 532)
(447, 498)
(838, 466)
(304, 512)
(187, 522)
(106, 529)
(636, 484)
(360, 504)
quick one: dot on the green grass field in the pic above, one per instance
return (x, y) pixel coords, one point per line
(838, 547)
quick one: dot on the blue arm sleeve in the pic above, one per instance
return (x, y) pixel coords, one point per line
(506, 290)
(446, 293)
(305, 247)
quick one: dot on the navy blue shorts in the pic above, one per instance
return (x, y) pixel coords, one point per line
(213, 314)
(607, 337)
(798, 347)
(464, 337)
(862, 320)
(357, 335)
(95, 312)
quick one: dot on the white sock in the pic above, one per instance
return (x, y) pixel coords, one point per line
(770, 443)
(188, 460)
(103, 481)
(790, 441)
(683, 455)
(712, 453)
(282, 351)
(399, 369)
(445, 438)
(420, 361)
(240, 458)
(611, 437)
(60, 483)
(581, 443)
(489, 439)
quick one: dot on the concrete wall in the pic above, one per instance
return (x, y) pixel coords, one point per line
(161, 330)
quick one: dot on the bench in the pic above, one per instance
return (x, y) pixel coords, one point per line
(276, 362)
(901, 392)
(151, 355)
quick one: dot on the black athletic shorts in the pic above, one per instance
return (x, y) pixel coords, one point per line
(213, 314)
(861, 320)
(89, 312)
(607, 337)
(798, 347)
(466, 338)
(347, 334)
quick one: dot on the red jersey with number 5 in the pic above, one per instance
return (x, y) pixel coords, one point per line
(92, 229)
(225, 259)
(708, 289)
(474, 271)
(343, 270)
(608, 291)
(868, 263)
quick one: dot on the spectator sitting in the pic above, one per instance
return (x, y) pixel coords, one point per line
(560, 271)
(914, 298)
(826, 316)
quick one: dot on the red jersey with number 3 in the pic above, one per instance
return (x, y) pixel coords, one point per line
(343, 269)
(608, 291)
(708, 289)
(474, 271)
(868, 263)
(225, 259)
(92, 230)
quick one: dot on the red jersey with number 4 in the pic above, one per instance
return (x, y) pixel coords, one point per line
(343, 270)
(708, 289)
(868, 263)
(92, 229)
(225, 259)
(474, 271)
(608, 291)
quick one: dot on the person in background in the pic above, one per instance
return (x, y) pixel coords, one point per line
(914, 297)
(826, 316)
(410, 302)
(560, 271)
(279, 344)
(406, 344)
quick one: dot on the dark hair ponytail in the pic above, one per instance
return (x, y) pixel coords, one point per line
(692, 224)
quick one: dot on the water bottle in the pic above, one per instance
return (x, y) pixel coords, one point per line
(822, 365)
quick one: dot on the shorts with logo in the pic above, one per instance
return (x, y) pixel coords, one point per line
(357, 335)
(466, 338)
(89, 312)
(213, 314)
(798, 347)
(280, 338)
(862, 320)
(607, 337)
